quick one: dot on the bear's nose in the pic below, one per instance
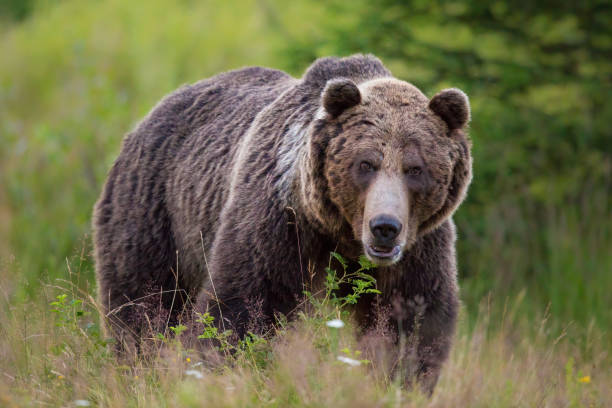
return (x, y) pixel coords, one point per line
(385, 228)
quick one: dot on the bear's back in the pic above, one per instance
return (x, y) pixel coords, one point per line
(198, 180)
(171, 174)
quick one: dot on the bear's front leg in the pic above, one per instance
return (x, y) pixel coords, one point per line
(254, 273)
(237, 303)
(409, 337)
(417, 310)
(425, 332)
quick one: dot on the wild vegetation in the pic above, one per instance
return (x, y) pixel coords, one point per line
(534, 234)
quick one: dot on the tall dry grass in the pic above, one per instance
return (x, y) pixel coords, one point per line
(52, 353)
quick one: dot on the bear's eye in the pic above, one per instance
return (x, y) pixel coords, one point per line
(414, 171)
(366, 166)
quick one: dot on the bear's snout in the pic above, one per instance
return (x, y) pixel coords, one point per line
(385, 228)
(384, 248)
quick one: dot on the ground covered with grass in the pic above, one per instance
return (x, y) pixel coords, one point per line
(54, 353)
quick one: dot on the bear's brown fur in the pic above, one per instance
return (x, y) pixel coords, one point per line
(252, 177)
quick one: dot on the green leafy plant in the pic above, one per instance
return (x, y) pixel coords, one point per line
(359, 281)
(178, 329)
(256, 350)
(212, 332)
(68, 312)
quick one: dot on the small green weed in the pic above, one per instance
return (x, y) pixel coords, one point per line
(360, 283)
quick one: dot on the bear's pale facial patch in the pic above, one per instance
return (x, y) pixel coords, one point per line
(386, 222)
(389, 167)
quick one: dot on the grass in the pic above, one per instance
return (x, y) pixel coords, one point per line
(52, 352)
(559, 256)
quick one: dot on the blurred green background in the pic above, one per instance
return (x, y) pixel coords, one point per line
(536, 229)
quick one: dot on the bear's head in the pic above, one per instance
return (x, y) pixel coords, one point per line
(392, 164)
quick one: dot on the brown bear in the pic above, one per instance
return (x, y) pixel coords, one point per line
(252, 177)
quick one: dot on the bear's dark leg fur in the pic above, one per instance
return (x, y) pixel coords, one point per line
(417, 309)
(252, 279)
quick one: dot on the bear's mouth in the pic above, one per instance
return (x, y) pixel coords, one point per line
(384, 253)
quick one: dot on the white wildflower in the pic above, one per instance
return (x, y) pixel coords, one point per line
(82, 403)
(350, 361)
(336, 323)
(194, 373)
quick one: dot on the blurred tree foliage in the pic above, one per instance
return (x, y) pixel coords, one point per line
(15, 9)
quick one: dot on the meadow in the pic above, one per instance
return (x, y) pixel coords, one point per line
(535, 233)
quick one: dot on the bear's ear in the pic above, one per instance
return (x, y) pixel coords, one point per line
(340, 94)
(453, 106)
